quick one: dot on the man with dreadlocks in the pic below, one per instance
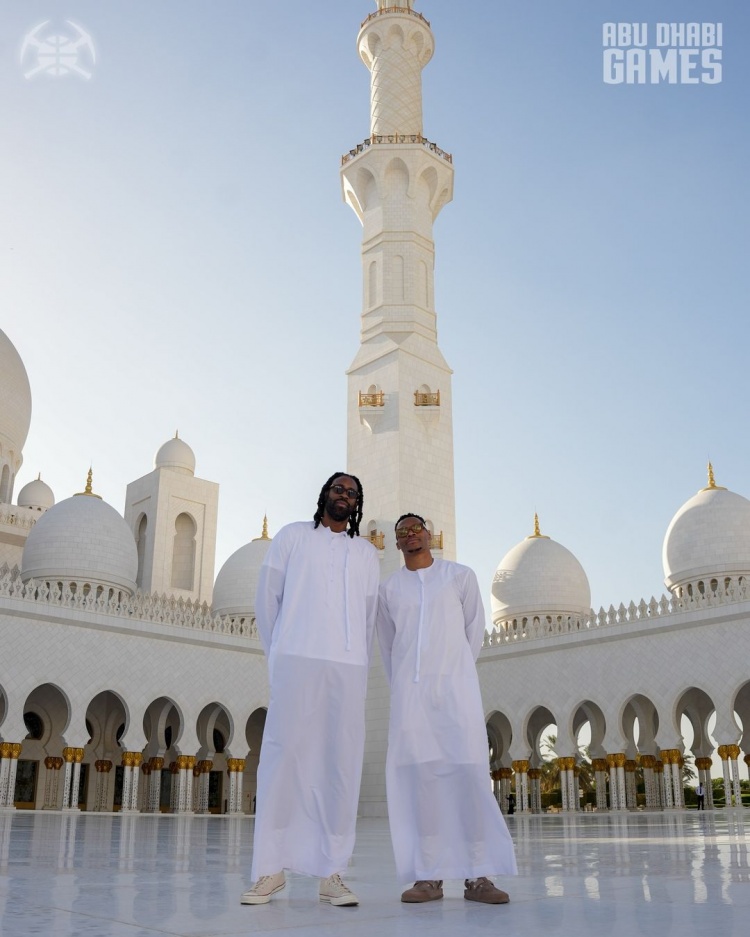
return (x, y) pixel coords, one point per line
(315, 607)
(444, 821)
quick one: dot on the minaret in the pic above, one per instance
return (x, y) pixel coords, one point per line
(400, 433)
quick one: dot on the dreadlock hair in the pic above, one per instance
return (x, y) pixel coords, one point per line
(356, 515)
(410, 514)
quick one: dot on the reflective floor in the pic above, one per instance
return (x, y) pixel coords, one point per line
(141, 876)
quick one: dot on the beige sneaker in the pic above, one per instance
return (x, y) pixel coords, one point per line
(483, 890)
(262, 890)
(423, 891)
(333, 890)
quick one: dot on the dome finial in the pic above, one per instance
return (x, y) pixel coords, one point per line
(264, 532)
(88, 490)
(176, 434)
(712, 486)
(537, 535)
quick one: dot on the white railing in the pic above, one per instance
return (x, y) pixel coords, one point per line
(694, 596)
(18, 517)
(106, 600)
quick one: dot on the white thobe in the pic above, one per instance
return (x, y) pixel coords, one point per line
(445, 822)
(316, 606)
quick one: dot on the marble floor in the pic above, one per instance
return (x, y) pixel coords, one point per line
(101, 875)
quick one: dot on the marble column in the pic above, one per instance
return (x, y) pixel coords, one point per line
(131, 763)
(520, 769)
(185, 765)
(600, 774)
(9, 754)
(52, 764)
(535, 789)
(101, 795)
(724, 754)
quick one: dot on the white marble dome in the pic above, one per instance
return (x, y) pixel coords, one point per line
(539, 577)
(84, 539)
(15, 398)
(176, 456)
(237, 582)
(36, 495)
(708, 536)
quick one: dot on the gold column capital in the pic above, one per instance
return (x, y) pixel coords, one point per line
(506, 774)
(658, 766)
(521, 766)
(69, 754)
(131, 759)
(630, 766)
(104, 767)
(185, 762)
(648, 761)
(157, 764)
(534, 773)
(599, 764)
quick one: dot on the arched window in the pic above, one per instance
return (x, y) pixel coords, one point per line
(183, 555)
(140, 541)
(34, 725)
(5, 485)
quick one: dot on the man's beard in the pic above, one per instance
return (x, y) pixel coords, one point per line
(337, 511)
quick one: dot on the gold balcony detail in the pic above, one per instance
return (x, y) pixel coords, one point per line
(377, 539)
(436, 541)
(402, 10)
(426, 400)
(372, 400)
(395, 138)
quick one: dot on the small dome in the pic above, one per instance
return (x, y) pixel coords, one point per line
(36, 495)
(539, 577)
(81, 538)
(708, 536)
(15, 398)
(237, 582)
(176, 456)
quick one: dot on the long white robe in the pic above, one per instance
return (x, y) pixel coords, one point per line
(445, 822)
(315, 607)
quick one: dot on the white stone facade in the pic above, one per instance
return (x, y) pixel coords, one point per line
(123, 687)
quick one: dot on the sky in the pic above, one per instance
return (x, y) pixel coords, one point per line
(175, 254)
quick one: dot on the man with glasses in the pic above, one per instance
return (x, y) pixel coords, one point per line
(445, 823)
(315, 607)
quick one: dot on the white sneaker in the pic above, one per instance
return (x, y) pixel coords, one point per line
(262, 890)
(333, 890)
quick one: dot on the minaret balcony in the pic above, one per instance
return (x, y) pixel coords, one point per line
(426, 399)
(372, 400)
(436, 541)
(404, 10)
(395, 139)
(377, 539)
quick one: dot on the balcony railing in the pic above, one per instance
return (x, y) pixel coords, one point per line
(426, 400)
(377, 539)
(404, 10)
(395, 138)
(436, 542)
(372, 400)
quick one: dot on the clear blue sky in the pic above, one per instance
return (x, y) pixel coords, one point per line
(174, 253)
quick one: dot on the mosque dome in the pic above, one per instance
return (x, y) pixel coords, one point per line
(708, 536)
(539, 577)
(84, 539)
(36, 495)
(176, 456)
(237, 582)
(15, 398)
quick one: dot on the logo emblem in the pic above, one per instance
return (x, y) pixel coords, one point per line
(58, 55)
